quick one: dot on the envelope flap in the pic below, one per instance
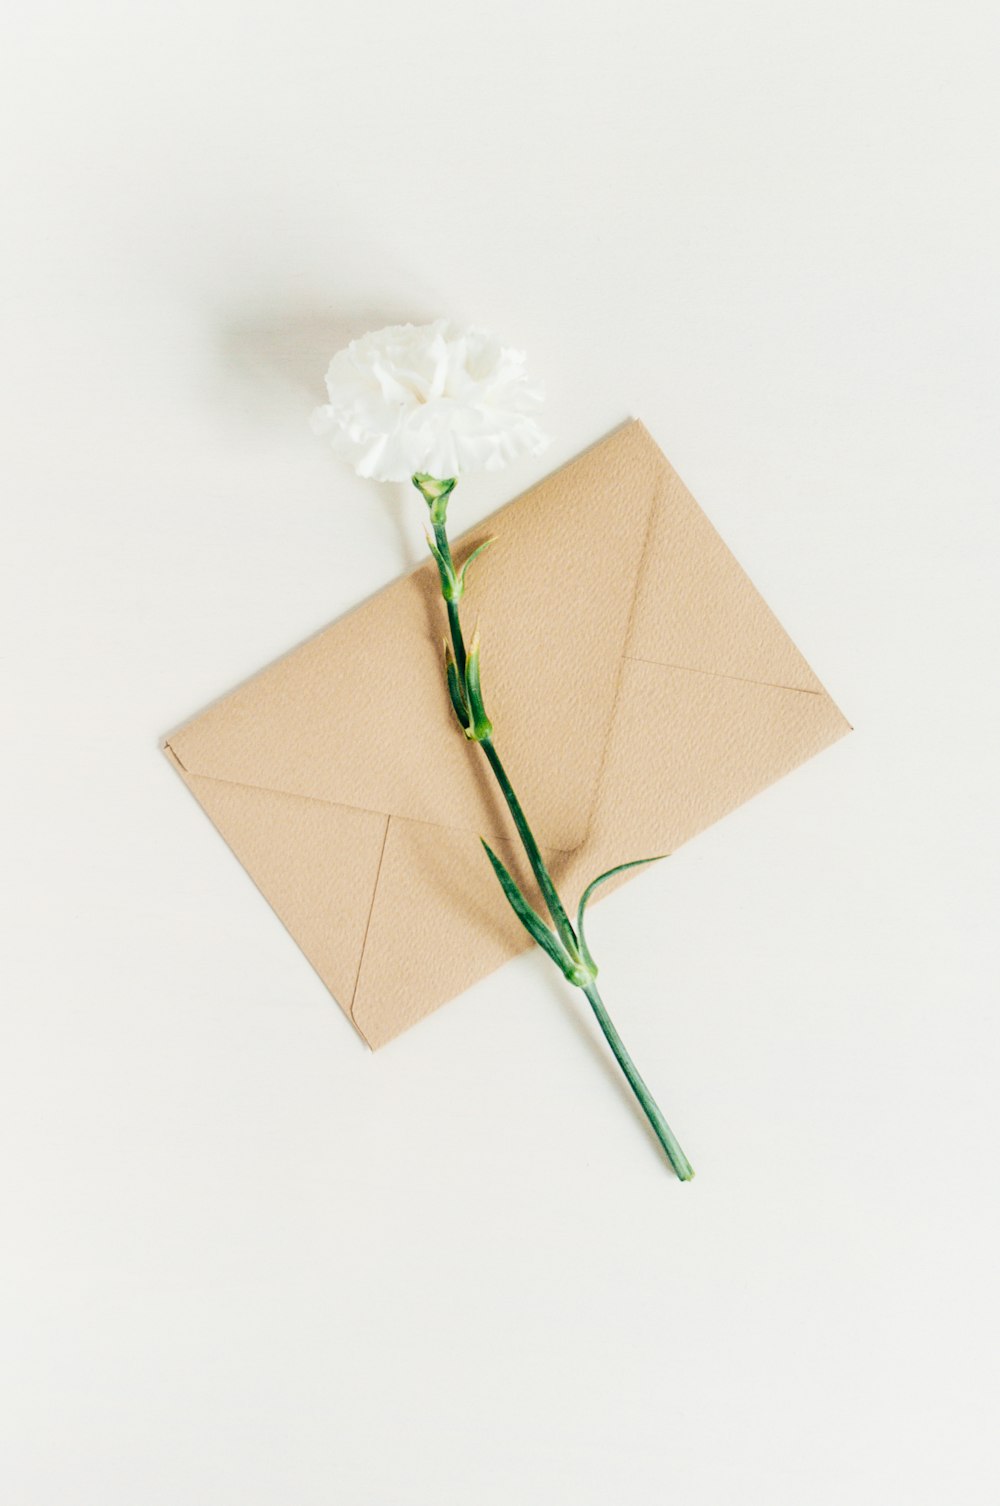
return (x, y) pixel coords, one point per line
(697, 609)
(359, 714)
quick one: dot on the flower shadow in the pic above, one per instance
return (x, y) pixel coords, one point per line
(291, 349)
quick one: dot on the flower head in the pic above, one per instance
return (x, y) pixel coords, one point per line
(431, 398)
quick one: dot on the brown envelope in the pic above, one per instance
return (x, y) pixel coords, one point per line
(639, 686)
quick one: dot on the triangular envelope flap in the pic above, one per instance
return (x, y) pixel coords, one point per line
(359, 714)
(696, 608)
(438, 924)
(316, 864)
(687, 748)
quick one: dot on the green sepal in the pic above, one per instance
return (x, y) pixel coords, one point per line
(432, 487)
(533, 923)
(596, 884)
(461, 574)
(455, 687)
(435, 493)
(480, 727)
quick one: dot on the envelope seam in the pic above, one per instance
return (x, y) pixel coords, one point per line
(268, 789)
(368, 922)
(718, 675)
(629, 620)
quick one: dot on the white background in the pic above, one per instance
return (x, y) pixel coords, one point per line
(249, 1264)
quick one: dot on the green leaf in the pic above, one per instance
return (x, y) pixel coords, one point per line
(480, 725)
(596, 884)
(455, 686)
(532, 923)
(461, 574)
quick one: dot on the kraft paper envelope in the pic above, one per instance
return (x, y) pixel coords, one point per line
(640, 689)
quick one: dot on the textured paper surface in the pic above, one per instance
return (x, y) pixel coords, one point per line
(640, 687)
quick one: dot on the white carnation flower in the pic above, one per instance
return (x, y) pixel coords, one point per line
(432, 398)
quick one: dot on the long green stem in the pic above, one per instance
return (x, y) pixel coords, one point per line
(538, 868)
(650, 1108)
(661, 1128)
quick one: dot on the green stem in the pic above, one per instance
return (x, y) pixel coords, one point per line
(650, 1108)
(549, 894)
(538, 868)
(661, 1128)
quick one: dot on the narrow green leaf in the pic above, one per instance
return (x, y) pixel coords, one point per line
(480, 725)
(455, 686)
(461, 574)
(532, 922)
(596, 884)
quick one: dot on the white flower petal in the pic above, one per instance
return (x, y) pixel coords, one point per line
(433, 398)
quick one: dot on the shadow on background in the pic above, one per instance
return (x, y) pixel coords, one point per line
(290, 350)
